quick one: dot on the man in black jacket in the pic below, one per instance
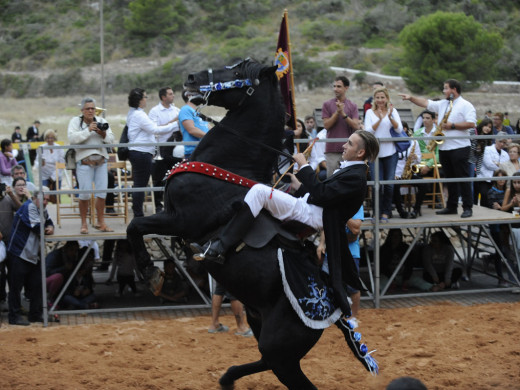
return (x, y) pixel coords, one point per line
(328, 205)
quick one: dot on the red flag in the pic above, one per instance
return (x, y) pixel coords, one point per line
(284, 72)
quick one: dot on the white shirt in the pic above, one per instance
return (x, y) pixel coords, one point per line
(49, 169)
(142, 129)
(492, 160)
(162, 115)
(402, 157)
(463, 111)
(318, 151)
(383, 130)
(78, 133)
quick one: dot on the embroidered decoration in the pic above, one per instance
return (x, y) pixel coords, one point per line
(317, 306)
(281, 59)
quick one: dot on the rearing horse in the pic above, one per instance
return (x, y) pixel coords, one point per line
(197, 204)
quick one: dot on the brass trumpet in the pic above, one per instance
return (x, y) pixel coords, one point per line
(157, 156)
(99, 110)
(416, 168)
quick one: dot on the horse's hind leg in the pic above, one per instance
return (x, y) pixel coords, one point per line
(233, 373)
(283, 342)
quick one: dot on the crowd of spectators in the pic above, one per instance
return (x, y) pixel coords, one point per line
(482, 158)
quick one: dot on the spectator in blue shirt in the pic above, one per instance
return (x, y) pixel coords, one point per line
(24, 259)
(192, 126)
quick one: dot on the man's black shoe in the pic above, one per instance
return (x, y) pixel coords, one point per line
(212, 250)
(19, 321)
(466, 213)
(446, 211)
(37, 319)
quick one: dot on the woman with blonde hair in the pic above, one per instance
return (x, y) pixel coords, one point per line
(49, 159)
(379, 120)
(513, 165)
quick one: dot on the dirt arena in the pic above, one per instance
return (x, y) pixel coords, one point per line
(447, 346)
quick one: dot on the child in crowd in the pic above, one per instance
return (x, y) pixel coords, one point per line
(80, 292)
(124, 264)
(439, 266)
(174, 289)
(512, 201)
(499, 232)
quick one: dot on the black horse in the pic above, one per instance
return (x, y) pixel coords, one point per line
(196, 205)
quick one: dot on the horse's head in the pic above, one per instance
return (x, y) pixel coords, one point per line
(250, 93)
(229, 87)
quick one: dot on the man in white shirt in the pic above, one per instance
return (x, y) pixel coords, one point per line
(494, 156)
(453, 153)
(163, 113)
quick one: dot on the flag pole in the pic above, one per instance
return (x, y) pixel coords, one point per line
(286, 16)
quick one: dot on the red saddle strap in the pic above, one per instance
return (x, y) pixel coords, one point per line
(212, 171)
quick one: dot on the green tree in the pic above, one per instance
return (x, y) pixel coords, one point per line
(151, 18)
(448, 45)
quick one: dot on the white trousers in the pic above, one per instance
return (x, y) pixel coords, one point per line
(284, 206)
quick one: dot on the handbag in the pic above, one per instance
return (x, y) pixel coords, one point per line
(70, 159)
(122, 151)
(401, 146)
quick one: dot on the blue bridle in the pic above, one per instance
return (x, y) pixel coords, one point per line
(224, 85)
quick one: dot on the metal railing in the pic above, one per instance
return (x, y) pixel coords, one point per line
(376, 227)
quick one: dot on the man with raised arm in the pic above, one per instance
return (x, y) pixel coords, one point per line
(453, 152)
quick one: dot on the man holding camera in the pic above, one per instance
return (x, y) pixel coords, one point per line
(91, 163)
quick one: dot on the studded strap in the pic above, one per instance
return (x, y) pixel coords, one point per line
(212, 171)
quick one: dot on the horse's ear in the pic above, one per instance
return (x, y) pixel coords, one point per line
(269, 70)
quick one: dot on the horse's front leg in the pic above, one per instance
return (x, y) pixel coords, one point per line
(139, 227)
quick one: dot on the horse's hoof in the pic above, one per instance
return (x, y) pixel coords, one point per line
(226, 386)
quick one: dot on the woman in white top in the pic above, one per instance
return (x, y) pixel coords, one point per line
(379, 120)
(513, 165)
(91, 163)
(49, 159)
(141, 129)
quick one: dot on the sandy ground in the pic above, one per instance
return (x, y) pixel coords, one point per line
(446, 346)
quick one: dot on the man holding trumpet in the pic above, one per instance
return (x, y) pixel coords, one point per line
(459, 116)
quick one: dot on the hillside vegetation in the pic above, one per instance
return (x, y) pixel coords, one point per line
(62, 37)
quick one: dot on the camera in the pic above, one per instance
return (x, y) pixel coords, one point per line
(2, 190)
(102, 126)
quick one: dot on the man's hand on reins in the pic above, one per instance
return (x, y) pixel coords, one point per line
(295, 183)
(300, 159)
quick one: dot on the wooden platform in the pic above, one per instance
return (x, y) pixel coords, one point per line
(481, 216)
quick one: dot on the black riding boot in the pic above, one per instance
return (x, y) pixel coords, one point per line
(232, 233)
